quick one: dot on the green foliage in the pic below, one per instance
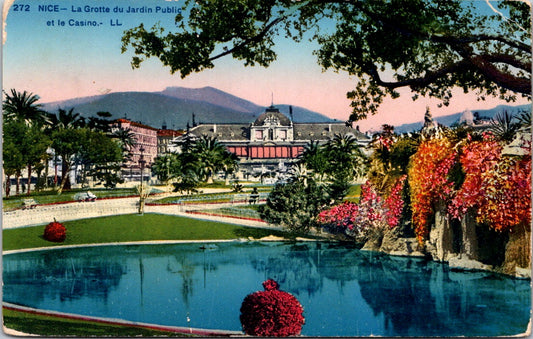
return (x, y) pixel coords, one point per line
(428, 46)
(198, 161)
(294, 205)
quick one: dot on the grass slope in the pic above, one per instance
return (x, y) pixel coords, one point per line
(132, 227)
(54, 326)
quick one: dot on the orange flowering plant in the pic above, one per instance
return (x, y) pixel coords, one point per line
(429, 181)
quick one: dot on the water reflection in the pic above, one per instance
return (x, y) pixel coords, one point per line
(345, 292)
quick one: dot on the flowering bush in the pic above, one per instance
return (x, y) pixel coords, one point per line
(55, 232)
(428, 178)
(372, 213)
(496, 187)
(271, 312)
(340, 219)
(477, 158)
(394, 203)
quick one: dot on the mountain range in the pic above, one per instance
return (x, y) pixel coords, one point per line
(175, 107)
(448, 120)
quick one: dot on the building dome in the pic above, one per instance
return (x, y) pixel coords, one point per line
(272, 115)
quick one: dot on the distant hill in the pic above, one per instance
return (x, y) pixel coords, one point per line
(448, 120)
(175, 106)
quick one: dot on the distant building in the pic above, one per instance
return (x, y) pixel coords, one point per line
(474, 120)
(143, 153)
(164, 139)
(272, 142)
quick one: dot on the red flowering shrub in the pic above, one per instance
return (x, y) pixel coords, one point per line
(55, 232)
(496, 187)
(271, 312)
(372, 213)
(477, 158)
(394, 203)
(340, 219)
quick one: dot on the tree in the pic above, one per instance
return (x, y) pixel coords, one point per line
(66, 119)
(12, 152)
(102, 156)
(23, 107)
(127, 140)
(427, 46)
(67, 143)
(295, 205)
(345, 157)
(100, 123)
(212, 156)
(34, 146)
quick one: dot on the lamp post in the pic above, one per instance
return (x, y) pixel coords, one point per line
(143, 192)
(142, 162)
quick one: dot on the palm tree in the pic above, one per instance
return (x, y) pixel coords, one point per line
(127, 140)
(210, 154)
(345, 155)
(65, 119)
(230, 163)
(314, 157)
(24, 107)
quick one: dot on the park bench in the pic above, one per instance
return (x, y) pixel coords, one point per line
(28, 203)
(254, 198)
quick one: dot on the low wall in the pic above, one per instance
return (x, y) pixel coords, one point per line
(69, 211)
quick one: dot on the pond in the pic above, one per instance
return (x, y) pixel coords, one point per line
(344, 291)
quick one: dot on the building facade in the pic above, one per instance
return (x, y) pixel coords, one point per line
(268, 146)
(164, 139)
(143, 153)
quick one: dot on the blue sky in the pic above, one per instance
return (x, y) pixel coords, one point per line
(62, 62)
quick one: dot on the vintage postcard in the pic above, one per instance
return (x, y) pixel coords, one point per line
(266, 167)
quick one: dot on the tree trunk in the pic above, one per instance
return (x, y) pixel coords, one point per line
(469, 245)
(17, 191)
(65, 180)
(8, 185)
(29, 180)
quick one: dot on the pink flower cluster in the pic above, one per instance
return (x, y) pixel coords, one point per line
(371, 213)
(394, 203)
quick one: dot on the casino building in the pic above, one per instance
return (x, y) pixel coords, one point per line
(268, 146)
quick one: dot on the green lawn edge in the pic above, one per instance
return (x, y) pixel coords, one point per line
(60, 327)
(133, 228)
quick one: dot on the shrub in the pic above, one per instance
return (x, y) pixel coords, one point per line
(271, 312)
(55, 232)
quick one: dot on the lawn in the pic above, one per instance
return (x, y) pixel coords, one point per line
(54, 326)
(132, 227)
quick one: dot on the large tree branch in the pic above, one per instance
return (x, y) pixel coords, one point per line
(451, 39)
(256, 38)
(509, 60)
(419, 82)
(503, 79)
(483, 66)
